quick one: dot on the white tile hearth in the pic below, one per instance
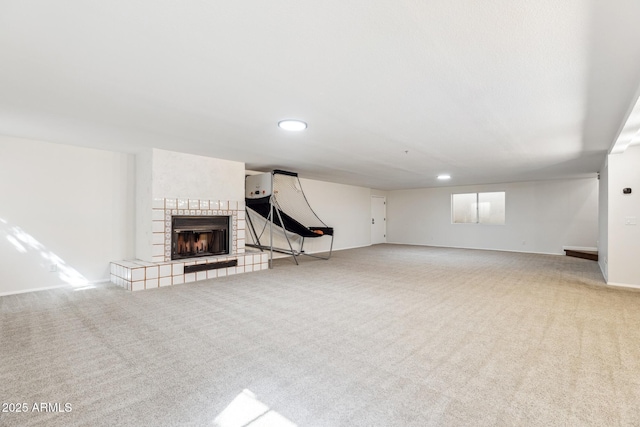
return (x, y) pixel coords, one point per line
(137, 275)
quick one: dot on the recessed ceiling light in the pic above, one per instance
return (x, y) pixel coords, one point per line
(293, 125)
(444, 177)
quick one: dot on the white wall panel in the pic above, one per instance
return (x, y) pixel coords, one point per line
(624, 209)
(541, 217)
(62, 206)
(346, 208)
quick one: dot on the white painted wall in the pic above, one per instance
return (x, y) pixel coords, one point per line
(144, 209)
(183, 175)
(168, 174)
(624, 240)
(541, 217)
(603, 220)
(63, 205)
(346, 208)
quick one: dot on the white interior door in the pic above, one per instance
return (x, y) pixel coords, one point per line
(378, 220)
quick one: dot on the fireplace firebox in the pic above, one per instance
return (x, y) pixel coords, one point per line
(198, 236)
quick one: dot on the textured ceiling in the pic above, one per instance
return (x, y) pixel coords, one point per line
(395, 92)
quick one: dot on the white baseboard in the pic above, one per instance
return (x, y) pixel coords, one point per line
(623, 285)
(48, 288)
(278, 255)
(604, 274)
(351, 247)
(24, 291)
(477, 249)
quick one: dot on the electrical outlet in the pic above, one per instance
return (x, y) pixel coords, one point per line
(53, 268)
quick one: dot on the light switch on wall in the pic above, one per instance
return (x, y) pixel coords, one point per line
(630, 220)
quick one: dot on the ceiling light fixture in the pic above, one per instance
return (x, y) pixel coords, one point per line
(444, 177)
(292, 125)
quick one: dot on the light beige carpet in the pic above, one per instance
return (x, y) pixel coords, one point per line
(379, 336)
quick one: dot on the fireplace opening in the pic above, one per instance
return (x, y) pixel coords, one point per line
(198, 236)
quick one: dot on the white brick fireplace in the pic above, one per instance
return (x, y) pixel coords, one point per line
(172, 184)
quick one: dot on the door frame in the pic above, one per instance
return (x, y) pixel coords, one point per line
(384, 219)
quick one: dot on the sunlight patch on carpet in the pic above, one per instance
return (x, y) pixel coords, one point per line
(246, 410)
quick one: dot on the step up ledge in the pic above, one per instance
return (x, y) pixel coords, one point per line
(590, 255)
